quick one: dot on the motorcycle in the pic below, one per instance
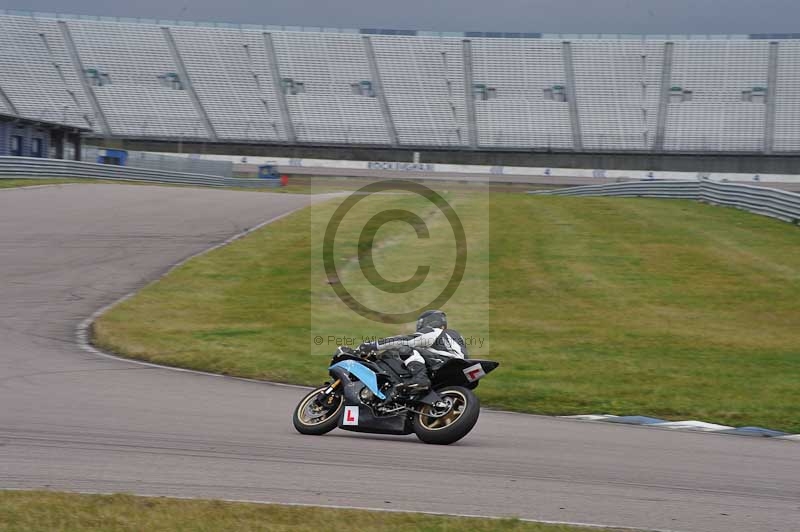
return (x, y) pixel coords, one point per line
(367, 395)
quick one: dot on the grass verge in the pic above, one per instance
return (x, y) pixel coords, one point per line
(22, 182)
(45, 511)
(296, 186)
(665, 308)
(300, 184)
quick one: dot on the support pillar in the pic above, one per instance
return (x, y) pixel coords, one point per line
(377, 87)
(7, 102)
(574, 117)
(663, 97)
(275, 70)
(79, 70)
(57, 140)
(187, 83)
(469, 96)
(77, 141)
(772, 91)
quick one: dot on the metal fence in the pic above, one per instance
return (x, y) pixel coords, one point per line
(760, 200)
(172, 163)
(26, 167)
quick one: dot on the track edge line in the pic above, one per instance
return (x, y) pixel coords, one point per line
(82, 332)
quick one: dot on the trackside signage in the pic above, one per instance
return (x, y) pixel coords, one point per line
(596, 173)
(401, 167)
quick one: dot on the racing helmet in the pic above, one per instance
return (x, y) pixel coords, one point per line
(436, 319)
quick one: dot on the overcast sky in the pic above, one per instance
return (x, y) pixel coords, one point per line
(547, 16)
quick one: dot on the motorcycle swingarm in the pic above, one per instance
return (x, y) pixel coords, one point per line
(430, 399)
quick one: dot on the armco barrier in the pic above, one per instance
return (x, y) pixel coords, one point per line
(166, 161)
(26, 167)
(601, 175)
(760, 200)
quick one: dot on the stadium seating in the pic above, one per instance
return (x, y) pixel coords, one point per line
(35, 74)
(423, 78)
(229, 69)
(520, 115)
(146, 79)
(327, 110)
(135, 102)
(716, 118)
(618, 86)
(787, 102)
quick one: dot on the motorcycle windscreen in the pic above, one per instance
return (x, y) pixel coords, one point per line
(362, 373)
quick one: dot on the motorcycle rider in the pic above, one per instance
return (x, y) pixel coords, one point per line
(432, 338)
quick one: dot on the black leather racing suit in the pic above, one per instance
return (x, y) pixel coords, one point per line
(431, 342)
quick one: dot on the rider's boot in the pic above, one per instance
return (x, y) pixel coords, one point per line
(419, 381)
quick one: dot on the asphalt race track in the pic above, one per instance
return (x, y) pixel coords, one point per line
(72, 420)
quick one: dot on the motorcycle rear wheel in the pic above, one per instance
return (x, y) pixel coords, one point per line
(311, 419)
(455, 423)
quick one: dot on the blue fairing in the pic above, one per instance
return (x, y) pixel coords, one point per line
(362, 373)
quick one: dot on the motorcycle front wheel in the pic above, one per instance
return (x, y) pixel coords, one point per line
(315, 417)
(450, 424)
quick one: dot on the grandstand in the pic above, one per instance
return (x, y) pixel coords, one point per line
(138, 79)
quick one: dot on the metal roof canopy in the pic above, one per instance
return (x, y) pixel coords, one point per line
(5, 117)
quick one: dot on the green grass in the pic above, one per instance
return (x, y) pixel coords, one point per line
(296, 186)
(293, 188)
(300, 184)
(22, 182)
(666, 308)
(44, 511)
(311, 184)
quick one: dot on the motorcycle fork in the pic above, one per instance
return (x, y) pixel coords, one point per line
(328, 397)
(330, 389)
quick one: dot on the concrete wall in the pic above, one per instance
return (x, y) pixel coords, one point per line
(686, 162)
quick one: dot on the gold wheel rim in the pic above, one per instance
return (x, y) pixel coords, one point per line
(301, 410)
(458, 405)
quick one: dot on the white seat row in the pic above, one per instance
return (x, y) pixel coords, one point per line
(520, 70)
(617, 87)
(33, 72)
(229, 70)
(716, 118)
(133, 56)
(423, 78)
(787, 102)
(327, 110)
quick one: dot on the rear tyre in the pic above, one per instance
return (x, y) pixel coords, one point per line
(449, 425)
(311, 417)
